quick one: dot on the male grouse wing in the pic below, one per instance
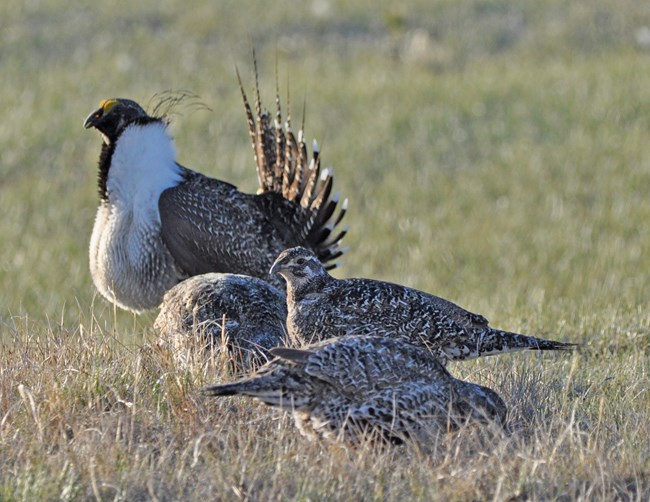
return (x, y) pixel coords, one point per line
(209, 226)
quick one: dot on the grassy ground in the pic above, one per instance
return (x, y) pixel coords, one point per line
(495, 153)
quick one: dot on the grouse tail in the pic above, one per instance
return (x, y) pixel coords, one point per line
(496, 342)
(254, 386)
(275, 388)
(284, 166)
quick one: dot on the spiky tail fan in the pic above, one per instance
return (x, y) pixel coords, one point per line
(284, 167)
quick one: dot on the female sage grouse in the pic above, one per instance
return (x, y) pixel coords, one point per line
(208, 312)
(320, 306)
(345, 388)
(159, 222)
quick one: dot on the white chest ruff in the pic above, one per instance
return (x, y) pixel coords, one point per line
(129, 263)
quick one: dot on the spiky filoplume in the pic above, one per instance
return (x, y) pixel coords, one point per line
(159, 222)
(193, 313)
(343, 389)
(320, 305)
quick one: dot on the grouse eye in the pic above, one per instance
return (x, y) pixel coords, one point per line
(301, 261)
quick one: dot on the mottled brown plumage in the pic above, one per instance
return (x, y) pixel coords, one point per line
(348, 388)
(320, 305)
(193, 312)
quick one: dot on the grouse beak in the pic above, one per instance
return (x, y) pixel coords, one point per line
(277, 267)
(93, 118)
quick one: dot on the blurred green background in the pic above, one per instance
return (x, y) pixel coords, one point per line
(495, 153)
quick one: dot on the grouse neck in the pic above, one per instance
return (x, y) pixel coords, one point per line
(153, 128)
(299, 290)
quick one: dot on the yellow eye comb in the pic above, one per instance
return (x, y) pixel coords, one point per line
(108, 104)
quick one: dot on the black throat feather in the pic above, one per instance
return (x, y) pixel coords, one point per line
(105, 158)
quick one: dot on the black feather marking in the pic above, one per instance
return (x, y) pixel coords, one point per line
(221, 390)
(105, 159)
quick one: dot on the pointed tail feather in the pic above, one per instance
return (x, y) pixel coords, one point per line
(327, 210)
(268, 395)
(497, 342)
(519, 341)
(231, 389)
(312, 179)
(266, 140)
(280, 141)
(273, 390)
(541, 344)
(254, 386)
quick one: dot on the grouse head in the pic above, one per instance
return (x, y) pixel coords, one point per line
(112, 116)
(298, 266)
(481, 404)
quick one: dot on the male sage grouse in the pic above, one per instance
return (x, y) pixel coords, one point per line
(321, 306)
(348, 388)
(159, 222)
(208, 312)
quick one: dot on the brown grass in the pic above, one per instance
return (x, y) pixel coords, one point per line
(85, 415)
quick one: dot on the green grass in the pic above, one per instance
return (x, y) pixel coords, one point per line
(494, 153)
